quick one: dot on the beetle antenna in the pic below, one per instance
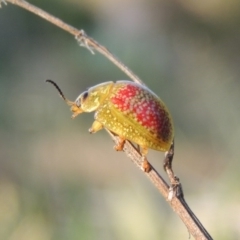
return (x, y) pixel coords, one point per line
(60, 91)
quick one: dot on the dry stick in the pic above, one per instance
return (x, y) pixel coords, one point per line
(80, 35)
(178, 204)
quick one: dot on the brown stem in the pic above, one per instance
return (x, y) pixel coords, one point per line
(80, 35)
(177, 203)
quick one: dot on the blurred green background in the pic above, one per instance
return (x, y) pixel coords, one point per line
(59, 182)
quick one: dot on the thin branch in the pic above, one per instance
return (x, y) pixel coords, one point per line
(80, 35)
(177, 203)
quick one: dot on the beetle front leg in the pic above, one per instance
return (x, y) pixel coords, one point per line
(96, 126)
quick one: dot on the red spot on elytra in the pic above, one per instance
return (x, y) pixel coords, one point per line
(140, 104)
(122, 98)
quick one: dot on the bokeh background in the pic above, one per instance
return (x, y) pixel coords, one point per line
(59, 182)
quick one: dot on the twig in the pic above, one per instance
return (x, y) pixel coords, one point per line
(80, 35)
(177, 202)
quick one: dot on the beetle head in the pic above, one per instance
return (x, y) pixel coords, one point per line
(89, 100)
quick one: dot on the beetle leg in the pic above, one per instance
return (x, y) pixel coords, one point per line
(175, 188)
(96, 126)
(120, 145)
(146, 166)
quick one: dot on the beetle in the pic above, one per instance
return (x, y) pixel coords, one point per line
(129, 110)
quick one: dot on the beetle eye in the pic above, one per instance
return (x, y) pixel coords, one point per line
(80, 98)
(84, 96)
(77, 102)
